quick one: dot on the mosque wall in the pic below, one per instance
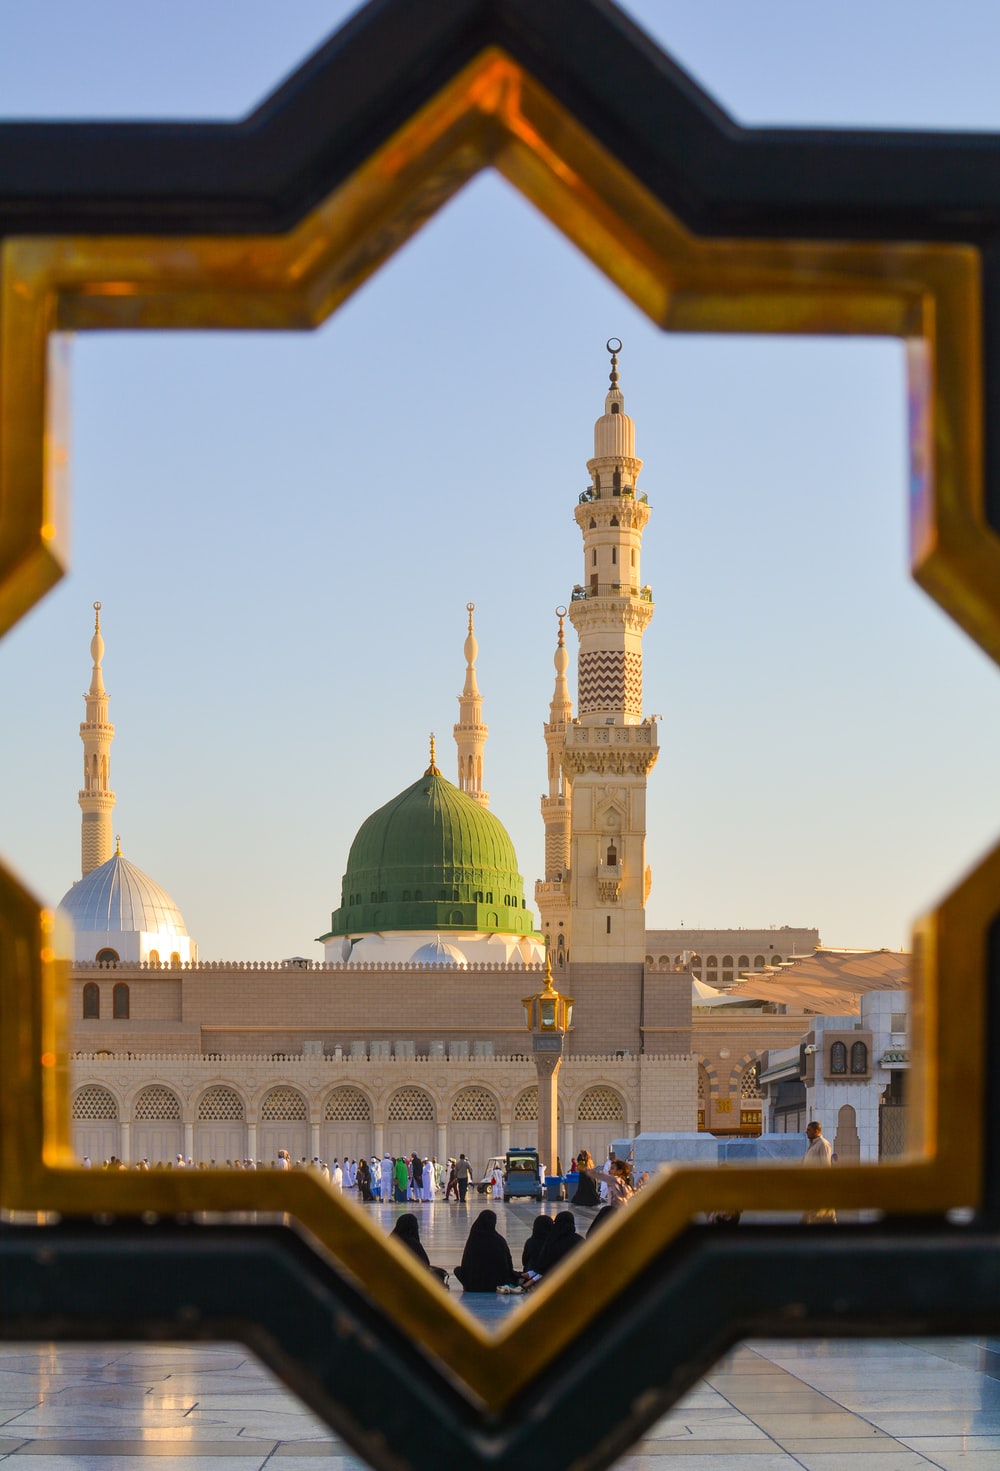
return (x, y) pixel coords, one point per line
(238, 1107)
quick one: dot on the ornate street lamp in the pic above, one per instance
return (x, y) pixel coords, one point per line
(548, 1017)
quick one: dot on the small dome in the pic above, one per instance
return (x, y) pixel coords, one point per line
(432, 859)
(119, 898)
(438, 953)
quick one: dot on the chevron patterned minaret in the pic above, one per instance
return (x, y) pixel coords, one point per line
(97, 800)
(610, 748)
(470, 732)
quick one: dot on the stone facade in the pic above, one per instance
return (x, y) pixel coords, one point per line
(238, 1106)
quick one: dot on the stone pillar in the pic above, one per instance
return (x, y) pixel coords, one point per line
(314, 1141)
(569, 1142)
(547, 1066)
(189, 1142)
(442, 1144)
(125, 1142)
(379, 1147)
(504, 1138)
(252, 1142)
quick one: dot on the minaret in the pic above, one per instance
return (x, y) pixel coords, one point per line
(610, 748)
(96, 799)
(552, 892)
(470, 732)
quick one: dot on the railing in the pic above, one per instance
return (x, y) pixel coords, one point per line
(627, 492)
(611, 590)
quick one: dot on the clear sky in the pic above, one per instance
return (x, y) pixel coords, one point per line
(284, 530)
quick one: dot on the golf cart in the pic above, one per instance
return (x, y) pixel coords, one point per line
(522, 1175)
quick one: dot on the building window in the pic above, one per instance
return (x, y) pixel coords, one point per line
(859, 1058)
(759, 962)
(119, 1002)
(154, 957)
(107, 957)
(175, 958)
(838, 1058)
(91, 1002)
(744, 962)
(609, 924)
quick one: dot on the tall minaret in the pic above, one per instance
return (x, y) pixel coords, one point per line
(470, 732)
(552, 892)
(609, 749)
(96, 799)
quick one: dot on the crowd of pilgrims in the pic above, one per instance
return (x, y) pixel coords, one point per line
(409, 1177)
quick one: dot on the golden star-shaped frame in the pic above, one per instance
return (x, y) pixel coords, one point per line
(493, 113)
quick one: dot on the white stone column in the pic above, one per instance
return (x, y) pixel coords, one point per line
(252, 1142)
(379, 1131)
(314, 1141)
(125, 1142)
(189, 1142)
(442, 1144)
(547, 1066)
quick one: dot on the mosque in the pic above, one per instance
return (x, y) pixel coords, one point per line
(384, 1044)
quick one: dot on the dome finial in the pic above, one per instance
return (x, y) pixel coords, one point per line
(614, 347)
(561, 615)
(97, 617)
(118, 845)
(470, 608)
(432, 769)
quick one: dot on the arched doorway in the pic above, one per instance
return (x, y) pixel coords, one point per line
(157, 1131)
(410, 1123)
(475, 1126)
(283, 1125)
(346, 1132)
(96, 1135)
(220, 1130)
(600, 1118)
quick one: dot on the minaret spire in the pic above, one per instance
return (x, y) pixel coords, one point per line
(470, 732)
(610, 748)
(552, 892)
(96, 798)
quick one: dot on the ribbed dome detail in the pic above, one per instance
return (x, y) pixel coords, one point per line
(438, 953)
(120, 899)
(614, 433)
(432, 859)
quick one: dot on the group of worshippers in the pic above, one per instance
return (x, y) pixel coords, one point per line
(487, 1264)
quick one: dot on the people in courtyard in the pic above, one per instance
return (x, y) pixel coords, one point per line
(603, 1216)
(464, 1171)
(818, 1155)
(486, 1260)
(531, 1251)
(452, 1181)
(587, 1191)
(407, 1231)
(616, 1178)
(561, 1240)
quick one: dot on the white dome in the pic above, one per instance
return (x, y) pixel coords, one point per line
(437, 952)
(119, 907)
(120, 899)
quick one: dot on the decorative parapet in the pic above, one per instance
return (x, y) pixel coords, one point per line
(488, 966)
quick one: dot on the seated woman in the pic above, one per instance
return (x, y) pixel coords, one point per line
(560, 1241)
(531, 1251)
(486, 1262)
(407, 1231)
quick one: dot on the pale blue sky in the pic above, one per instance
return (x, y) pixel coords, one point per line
(284, 530)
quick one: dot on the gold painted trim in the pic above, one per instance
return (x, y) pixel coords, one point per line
(492, 113)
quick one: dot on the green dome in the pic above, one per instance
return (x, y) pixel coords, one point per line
(432, 859)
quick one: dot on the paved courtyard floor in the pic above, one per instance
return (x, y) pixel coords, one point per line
(768, 1406)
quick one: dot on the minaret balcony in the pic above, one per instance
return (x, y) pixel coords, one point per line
(611, 590)
(552, 888)
(609, 882)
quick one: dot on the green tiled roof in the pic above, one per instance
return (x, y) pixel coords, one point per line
(432, 859)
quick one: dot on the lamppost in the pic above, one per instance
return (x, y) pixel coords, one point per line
(548, 1016)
